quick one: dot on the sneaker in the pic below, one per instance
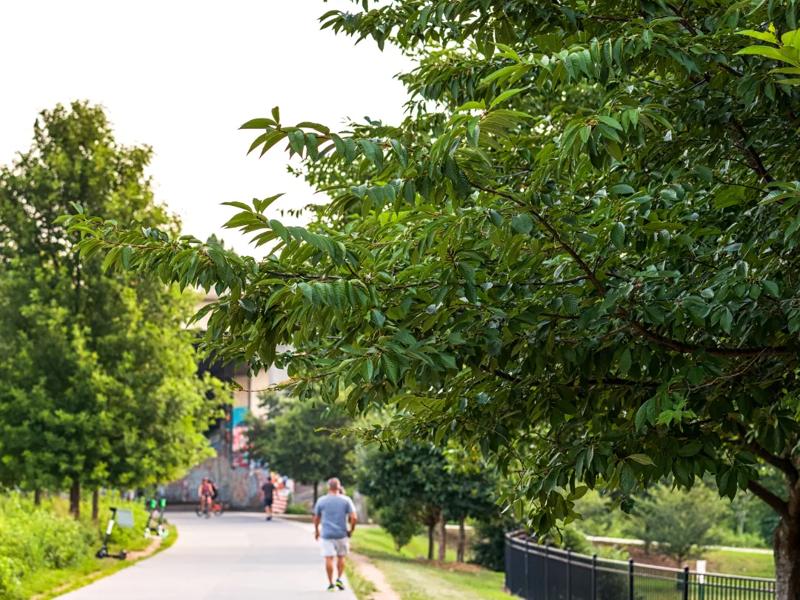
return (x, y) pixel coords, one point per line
(331, 588)
(340, 584)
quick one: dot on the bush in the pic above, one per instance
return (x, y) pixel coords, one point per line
(570, 538)
(10, 573)
(680, 522)
(46, 537)
(37, 538)
(297, 509)
(398, 523)
(489, 548)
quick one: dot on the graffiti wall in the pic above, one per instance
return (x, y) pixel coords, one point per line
(238, 481)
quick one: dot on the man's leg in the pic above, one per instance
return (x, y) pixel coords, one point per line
(329, 568)
(340, 565)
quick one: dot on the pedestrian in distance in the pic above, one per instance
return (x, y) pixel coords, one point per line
(336, 514)
(268, 490)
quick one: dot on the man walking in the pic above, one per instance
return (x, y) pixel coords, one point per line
(268, 489)
(338, 518)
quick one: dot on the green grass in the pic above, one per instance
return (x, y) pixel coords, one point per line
(362, 588)
(414, 579)
(44, 549)
(49, 583)
(740, 563)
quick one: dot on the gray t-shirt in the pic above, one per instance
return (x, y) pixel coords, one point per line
(333, 510)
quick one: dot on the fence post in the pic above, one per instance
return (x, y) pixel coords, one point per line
(685, 583)
(546, 572)
(594, 577)
(630, 579)
(569, 574)
(526, 555)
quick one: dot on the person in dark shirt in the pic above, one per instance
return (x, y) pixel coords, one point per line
(268, 489)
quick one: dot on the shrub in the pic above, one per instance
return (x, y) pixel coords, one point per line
(10, 571)
(46, 537)
(398, 523)
(489, 547)
(297, 509)
(680, 522)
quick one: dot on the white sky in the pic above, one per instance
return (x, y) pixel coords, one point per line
(182, 76)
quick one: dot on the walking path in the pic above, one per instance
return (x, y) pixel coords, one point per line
(238, 555)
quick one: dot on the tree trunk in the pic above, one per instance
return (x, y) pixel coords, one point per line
(443, 539)
(75, 499)
(316, 492)
(462, 541)
(37, 497)
(787, 559)
(95, 505)
(431, 529)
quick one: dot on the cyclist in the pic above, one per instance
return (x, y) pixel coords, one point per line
(206, 494)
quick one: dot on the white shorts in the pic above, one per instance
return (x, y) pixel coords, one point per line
(338, 547)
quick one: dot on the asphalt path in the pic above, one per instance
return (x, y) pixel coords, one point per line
(238, 556)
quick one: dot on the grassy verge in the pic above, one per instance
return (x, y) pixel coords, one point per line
(44, 549)
(740, 563)
(725, 562)
(362, 588)
(416, 579)
(50, 583)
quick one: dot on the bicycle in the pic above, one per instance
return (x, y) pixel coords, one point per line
(216, 508)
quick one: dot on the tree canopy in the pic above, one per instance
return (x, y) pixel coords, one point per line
(578, 251)
(303, 439)
(98, 383)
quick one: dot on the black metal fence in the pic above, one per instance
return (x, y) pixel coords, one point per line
(537, 572)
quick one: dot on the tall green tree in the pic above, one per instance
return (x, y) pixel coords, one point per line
(408, 484)
(98, 382)
(578, 251)
(471, 493)
(305, 439)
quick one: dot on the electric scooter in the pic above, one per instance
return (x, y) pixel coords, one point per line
(156, 523)
(103, 552)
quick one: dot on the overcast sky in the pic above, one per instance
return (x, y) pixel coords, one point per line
(182, 76)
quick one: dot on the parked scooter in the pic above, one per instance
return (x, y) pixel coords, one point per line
(156, 522)
(126, 520)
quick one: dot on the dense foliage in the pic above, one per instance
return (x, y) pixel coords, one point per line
(98, 382)
(416, 484)
(36, 539)
(578, 251)
(304, 439)
(680, 523)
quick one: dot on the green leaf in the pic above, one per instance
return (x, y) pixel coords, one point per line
(505, 96)
(618, 235)
(764, 36)
(765, 51)
(642, 459)
(522, 224)
(610, 121)
(378, 317)
(258, 124)
(622, 189)
(771, 288)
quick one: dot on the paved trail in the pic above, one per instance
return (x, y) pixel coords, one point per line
(237, 556)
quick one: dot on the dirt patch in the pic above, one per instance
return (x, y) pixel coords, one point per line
(383, 591)
(155, 544)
